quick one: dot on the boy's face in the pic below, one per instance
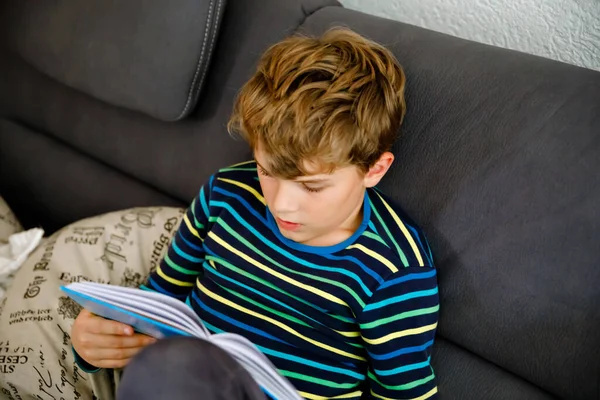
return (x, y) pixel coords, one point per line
(321, 209)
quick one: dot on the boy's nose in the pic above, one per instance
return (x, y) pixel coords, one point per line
(284, 201)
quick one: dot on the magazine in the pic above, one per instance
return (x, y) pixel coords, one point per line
(161, 316)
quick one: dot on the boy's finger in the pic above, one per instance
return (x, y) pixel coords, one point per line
(102, 326)
(115, 354)
(85, 312)
(111, 364)
(119, 341)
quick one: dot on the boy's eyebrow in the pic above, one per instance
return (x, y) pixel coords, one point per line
(314, 180)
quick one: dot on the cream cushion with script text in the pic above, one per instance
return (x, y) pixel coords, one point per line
(119, 248)
(8, 221)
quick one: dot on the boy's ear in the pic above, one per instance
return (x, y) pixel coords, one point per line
(379, 169)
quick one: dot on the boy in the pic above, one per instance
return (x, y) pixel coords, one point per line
(296, 250)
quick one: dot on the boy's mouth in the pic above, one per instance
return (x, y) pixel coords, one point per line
(287, 225)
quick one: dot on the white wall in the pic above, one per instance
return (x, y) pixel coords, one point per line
(565, 30)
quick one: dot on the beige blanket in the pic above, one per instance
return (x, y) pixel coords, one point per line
(120, 248)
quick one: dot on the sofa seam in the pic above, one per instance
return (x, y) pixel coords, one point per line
(212, 43)
(200, 60)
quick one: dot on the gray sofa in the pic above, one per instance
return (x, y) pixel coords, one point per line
(106, 105)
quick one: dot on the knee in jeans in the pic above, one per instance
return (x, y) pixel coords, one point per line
(186, 352)
(183, 368)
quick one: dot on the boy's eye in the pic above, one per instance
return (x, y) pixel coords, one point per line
(263, 172)
(312, 190)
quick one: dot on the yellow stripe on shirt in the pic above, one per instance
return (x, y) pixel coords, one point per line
(407, 234)
(310, 396)
(395, 335)
(245, 187)
(242, 163)
(376, 256)
(172, 280)
(193, 230)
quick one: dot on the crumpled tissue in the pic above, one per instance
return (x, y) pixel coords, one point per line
(14, 253)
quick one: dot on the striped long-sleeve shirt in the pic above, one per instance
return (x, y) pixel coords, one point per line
(354, 320)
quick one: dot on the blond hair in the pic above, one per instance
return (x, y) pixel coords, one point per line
(335, 100)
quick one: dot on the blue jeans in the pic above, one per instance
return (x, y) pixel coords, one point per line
(186, 368)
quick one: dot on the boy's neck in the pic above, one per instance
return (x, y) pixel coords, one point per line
(345, 230)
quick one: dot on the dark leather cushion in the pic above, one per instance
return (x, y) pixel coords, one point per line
(145, 55)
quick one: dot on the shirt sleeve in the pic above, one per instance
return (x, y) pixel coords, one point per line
(398, 327)
(84, 365)
(177, 272)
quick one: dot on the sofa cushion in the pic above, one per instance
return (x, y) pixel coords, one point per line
(36, 316)
(145, 55)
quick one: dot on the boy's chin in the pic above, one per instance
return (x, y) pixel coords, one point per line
(305, 238)
(297, 236)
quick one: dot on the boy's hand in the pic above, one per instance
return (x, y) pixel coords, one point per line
(104, 343)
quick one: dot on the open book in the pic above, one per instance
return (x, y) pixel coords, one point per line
(161, 316)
